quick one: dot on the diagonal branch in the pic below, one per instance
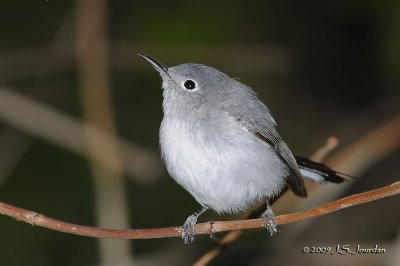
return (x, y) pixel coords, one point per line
(202, 228)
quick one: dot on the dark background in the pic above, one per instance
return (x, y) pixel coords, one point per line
(324, 68)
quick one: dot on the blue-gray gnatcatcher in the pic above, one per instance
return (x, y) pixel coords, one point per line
(220, 143)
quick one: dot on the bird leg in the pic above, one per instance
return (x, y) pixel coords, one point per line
(268, 221)
(188, 228)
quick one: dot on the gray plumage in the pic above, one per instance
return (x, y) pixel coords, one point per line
(220, 142)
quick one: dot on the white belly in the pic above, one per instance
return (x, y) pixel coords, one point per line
(227, 171)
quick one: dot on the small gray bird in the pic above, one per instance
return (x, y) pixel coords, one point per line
(220, 143)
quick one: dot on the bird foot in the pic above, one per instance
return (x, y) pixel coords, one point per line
(268, 222)
(188, 229)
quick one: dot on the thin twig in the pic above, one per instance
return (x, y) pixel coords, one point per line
(203, 228)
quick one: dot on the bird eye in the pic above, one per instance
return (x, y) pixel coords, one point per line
(189, 84)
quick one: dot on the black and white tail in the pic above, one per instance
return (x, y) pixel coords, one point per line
(319, 172)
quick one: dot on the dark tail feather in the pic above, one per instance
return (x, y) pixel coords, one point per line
(319, 172)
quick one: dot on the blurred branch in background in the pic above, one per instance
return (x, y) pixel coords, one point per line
(249, 58)
(353, 159)
(369, 149)
(252, 59)
(109, 183)
(59, 129)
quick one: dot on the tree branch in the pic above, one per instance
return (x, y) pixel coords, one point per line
(203, 228)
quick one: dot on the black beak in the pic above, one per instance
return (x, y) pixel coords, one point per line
(156, 64)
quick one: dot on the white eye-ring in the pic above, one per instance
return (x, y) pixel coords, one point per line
(189, 84)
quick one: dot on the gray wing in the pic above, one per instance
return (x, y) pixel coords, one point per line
(257, 119)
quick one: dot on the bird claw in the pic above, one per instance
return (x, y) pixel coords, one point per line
(188, 229)
(268, 222)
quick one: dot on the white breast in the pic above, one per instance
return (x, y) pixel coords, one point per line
(227, 171)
